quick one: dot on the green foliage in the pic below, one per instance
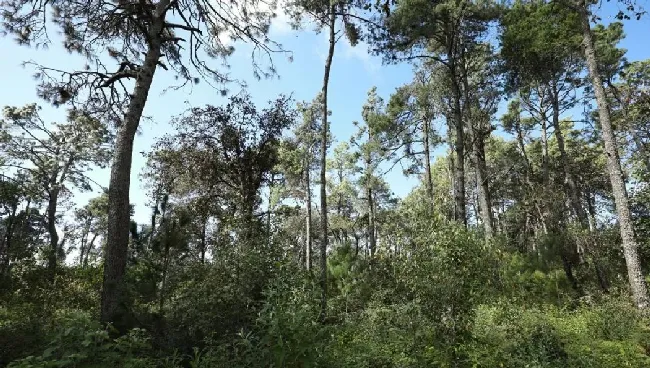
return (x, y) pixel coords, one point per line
(219, 276)
(77, 340)
(539, 34)
(608, 335)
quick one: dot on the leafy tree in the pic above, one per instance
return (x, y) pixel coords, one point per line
(412, 109)
(325, 14)
(136, 37)
(232, 150)
(56, 158)
(440, 31)
(630, 246)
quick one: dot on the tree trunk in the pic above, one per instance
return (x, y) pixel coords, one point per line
(323, 163)
(308, 222)
(460, 213)
(165, 268)
(84, 241)
(372, 240)
(90, 247)
(113, 303)
(569, 272)
(427, 159)
(54, 235)
(6, 248)
(569, 180)
(485, 206)
(630, 248)
(451, 172)
(203, 238)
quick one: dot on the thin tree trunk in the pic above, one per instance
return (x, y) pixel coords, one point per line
(308, 223)
(630, 247)
(569, 272)
(460, 214)
(372, 240)
(203, 238)
(90, 247)
(427, 159)
(54, 235)
(323, 163)
(4, 252)
(569, 180)
(483, 190)
(339, 207)
(84, 241)
(270, 210)
(163, 282)
(451, 172)
(113, 303)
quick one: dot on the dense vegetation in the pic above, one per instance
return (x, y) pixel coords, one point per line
(273, 243)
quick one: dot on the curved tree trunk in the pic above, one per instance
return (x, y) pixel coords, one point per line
(630, 248)
(113, 303)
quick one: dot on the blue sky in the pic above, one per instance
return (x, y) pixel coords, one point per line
(354, 72)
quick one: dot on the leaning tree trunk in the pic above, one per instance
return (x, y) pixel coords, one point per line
(630, 248)
(323, 163)
(113, 303)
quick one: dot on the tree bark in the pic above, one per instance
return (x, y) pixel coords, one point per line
(113, 303)
(89, 248)
(372, 240)
(204, 227)
(323, 163)
(460, 212)
(451, 170)
(308, 222)
(427, 159)
(6, 248)
(569, 180)
(630, 248)
(485, 205)
(54, 235)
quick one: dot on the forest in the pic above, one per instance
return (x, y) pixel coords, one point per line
(270, 239)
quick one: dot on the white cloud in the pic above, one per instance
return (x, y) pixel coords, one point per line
(280, 24)
(345, 51)
(361, 53)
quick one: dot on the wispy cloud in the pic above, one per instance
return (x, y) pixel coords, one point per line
(344, 50)
(361, 53)
(280, 24)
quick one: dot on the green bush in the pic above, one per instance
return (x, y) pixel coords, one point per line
(77, 340)
(604, 336)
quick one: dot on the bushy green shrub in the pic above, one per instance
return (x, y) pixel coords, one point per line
(605, 336)
(75, 339)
